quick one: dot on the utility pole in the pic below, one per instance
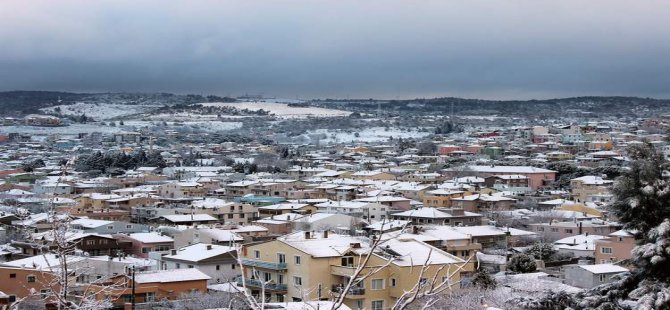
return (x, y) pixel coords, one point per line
(132, 297)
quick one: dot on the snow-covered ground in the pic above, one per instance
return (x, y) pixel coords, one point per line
(74, 129)
(63, 130)
(372, 134)
(102, 111)
(282, 110)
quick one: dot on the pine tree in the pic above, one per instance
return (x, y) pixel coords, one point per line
(521, 263)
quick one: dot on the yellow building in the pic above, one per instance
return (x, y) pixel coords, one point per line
(307, 266)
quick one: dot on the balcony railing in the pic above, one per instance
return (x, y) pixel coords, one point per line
(264, 264)
(254, 283)
(354, 291)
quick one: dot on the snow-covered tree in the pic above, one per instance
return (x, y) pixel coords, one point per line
(521, 263)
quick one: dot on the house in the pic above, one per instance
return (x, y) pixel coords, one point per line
(589, 276)
(145, 242)
(434, 216)
(153, 286)
(373, 175)
(537, 177)
(93, 244)
(583, 188)
(182, 189)
(554, 230)
(615, 248)
(219, 262)
(286, 207)
(371, 211)
(217, 236)
(393, 202)
(225, 211)
(188, 219)
(441, 198)
(106, 227)
(578, 245)
(483, 203)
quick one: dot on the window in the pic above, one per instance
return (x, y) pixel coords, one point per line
(377, 305)
(281, 258)
(31, 279)
(348, 261)
(297, 280)
(230, 216)
(45, 293)
(232, 266)
(359, 305)
(554, 229)
(568, 231)
(129, 226)
(606, 250)
(178, 265)
(151, 296)
(392, 282)
(90, 242)
(602, 277)
(280, 278)
(190, 266)
(296, 259)
(257, 254)
(145, 250)
(540, 229)
(218, 267)
(110, 227)
(241, 215)
(12, 275)
(267, 277)
(620, 239)
(377, 284)
(280, 298)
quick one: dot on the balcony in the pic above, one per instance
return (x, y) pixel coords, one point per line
(354, 292)
(343, 271)
(253, 283)
(264, 264)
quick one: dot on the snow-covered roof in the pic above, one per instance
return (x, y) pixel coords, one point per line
(424, 212)
(603, 268)
(90, 223)
(415, 253)
(150, 237)
(167, 276)
(176, 218)
(318, 246)
(201, 251)
(508, 169)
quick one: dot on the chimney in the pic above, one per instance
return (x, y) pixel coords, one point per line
(173, 252)
(209, 247)
(325, 234)
(580, 228)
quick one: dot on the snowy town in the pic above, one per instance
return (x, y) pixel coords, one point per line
(334, 155)
(488, 216)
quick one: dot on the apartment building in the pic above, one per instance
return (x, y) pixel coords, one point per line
(317, 266)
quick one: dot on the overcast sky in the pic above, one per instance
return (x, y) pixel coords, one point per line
(339, 48)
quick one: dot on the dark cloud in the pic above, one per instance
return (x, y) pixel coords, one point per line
(381, 48)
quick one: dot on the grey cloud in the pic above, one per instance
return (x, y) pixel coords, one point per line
(388, 49)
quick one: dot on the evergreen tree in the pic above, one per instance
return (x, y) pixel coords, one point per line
(521, 263)
(483, 280)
